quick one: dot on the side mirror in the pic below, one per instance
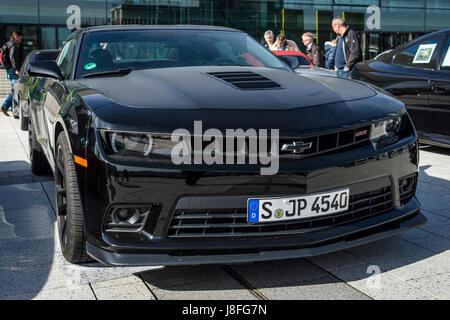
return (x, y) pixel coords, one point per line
(45, 68)
(291, 61)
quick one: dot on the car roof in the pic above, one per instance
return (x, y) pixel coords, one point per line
(424, 37)
(388, 56)
(433, 34)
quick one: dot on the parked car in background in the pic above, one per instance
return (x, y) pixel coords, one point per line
(295, 59)
(117, 102)
(27, 86)
(417, 73)
(302, 64)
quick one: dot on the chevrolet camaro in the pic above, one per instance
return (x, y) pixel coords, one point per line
(176, 145)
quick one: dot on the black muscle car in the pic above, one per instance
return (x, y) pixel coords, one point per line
(189, 145)
(417, 73)
(27, 86)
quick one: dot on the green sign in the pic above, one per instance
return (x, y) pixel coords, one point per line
(90, 66)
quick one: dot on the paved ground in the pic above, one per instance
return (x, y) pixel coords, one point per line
(414, 265)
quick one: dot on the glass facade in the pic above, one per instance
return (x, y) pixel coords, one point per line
(46, 23)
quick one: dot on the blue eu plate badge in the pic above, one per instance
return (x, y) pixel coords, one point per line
(253, 211)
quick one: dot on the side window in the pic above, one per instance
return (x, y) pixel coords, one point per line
(420, 55)
(65, 58)
(445, 60)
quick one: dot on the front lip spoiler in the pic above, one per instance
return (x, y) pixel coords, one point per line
(414, 219)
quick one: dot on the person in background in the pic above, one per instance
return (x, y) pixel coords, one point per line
(312, 50)
(348, 49)
(330, 52)
(284, 44)
(15, 52)
(269, 37)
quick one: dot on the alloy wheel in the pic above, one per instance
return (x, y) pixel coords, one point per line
(61, 197)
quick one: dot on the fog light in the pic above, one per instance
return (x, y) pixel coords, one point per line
(406, 183)
(407, 187)
(125, 215)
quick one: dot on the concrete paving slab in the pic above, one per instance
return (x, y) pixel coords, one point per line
(219, 289)
(196, 283)
(336, 260)
(49, 189)
(438, 285)
(436, 174)
(14, 165)
(436, 264)
(390, 253)
(21, 196)
(404, 259)
(28, 279)
(296, 279)
(437, 223)
(13, 153)
(380, 286)
(73, 293)
(21, 175)
(433, 197)
(128, 288)
(427, 240)
(19, 252)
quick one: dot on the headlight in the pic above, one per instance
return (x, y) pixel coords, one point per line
(386, 132)
(137, 145)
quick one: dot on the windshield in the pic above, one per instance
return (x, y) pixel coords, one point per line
(147, 49)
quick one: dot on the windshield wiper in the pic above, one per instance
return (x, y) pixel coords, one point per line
(110, 72)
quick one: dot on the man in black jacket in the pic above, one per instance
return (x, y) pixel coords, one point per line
(15, 53)
(348, 49)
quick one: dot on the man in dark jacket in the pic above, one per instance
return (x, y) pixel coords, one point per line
(313, 50)
(348, 49)
(15, 53)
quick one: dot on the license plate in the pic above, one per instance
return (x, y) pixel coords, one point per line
(306, 206)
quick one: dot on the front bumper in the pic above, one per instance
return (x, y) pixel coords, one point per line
(344, 237)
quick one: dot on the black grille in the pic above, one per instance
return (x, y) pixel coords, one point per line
(246, 80)
(330, 142)
(316, 145)
(233, 222)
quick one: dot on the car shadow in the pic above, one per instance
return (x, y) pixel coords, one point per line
(390, 254)
(26, 232)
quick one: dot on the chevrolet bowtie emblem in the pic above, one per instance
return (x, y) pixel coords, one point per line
(297, 147)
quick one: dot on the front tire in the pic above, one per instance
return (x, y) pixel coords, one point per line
(69, 210)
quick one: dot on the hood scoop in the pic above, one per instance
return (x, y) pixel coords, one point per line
(246, 80)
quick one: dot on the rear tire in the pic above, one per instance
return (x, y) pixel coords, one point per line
(16, 109)
(23, 120)
(39, 164)
(69, 209)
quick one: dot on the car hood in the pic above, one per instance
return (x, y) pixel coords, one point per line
(316, 71)
(196, 88)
